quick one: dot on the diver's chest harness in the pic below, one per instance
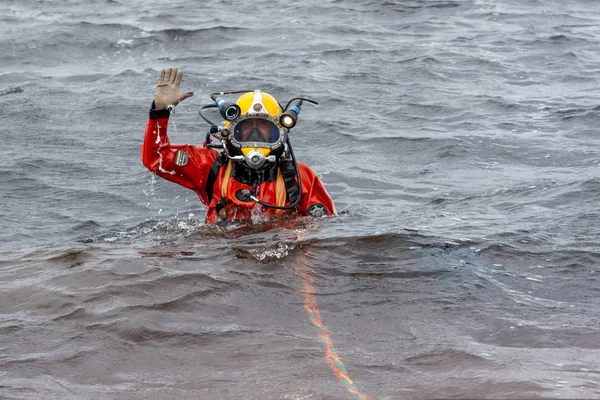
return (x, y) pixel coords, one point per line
(253, 178)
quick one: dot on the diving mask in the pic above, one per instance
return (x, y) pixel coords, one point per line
(257, 138)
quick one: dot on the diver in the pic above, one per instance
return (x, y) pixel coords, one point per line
(249, 169)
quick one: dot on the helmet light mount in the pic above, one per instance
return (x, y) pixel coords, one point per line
(230, 111)
(287, 120)
(290, 117)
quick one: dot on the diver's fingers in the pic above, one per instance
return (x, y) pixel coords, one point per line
(168, 75)
(161, 76)
(184, 96)
(178, 78)
(173, 76)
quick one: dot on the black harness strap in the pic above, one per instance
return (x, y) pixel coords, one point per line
(212, 175)
(288, 173)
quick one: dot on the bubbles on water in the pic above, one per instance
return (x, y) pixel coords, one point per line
(185, 226)
(258, 216)
(171, 109)
(149, 189)
(124, 42)
(279, 251)
(172, 227)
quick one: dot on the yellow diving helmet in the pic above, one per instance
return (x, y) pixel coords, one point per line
(256, 134)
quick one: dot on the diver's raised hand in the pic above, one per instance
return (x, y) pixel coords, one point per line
(167, 89)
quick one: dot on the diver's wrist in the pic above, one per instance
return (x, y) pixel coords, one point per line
(159, 113)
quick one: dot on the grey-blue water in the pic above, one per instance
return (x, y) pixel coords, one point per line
(460, 138)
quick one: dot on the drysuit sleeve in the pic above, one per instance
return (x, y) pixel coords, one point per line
(315, 199)
(183, 164)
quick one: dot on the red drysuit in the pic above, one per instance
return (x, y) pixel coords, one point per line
(190, 166)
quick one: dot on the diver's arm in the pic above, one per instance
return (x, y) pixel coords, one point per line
(183, 164)
(315, 199)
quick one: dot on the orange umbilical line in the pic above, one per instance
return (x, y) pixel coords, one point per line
(334, 361)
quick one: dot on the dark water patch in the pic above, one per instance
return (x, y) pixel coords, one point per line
(13, 90)
(54, 196)
(416, 5)
(547, 194)
(192, 59)
(188, 302)
(384, 241)
(497, 245)
(499, 104)
(71, 257)
(579, 115)
(445, 4)
(390, 256)
(178, 32)
(167, 254)
(10, 327)
(20, 186)
(126, 234)
(346, 52)
(482, 387)
(455, 150)
(560, 38)
(47, 358)
(84, 78)
(271, 284)
(579, 193)
(535, 337)
(185, 280)
(445, 359)
(467, 62)
(159, 337)
(388, 275)
(409, 60)
(85, 227)
(425, 110)
(78, 313)
(575, 79)
(108, 26)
